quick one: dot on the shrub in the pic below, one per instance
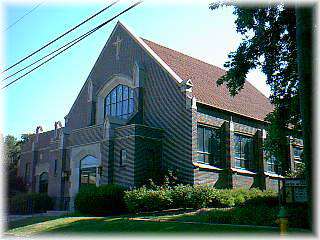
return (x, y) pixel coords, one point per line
(30, 203)
(203, 196)
(143, 199)
(182, 196)
(198, 196)
(102, 200)
(268, 198)
(253, 215)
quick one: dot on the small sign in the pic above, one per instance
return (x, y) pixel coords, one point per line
(300, 194)
(294, 182)
(296, 190)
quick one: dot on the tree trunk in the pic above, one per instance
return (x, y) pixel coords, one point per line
(304, 35)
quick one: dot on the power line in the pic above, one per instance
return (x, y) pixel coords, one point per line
(54, 40)
(15, 73)
(75, 41)
(18, 20)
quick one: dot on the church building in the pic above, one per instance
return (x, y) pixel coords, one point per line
(144, 107)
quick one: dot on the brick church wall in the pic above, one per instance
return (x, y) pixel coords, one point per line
(229, 176)
(135, 139)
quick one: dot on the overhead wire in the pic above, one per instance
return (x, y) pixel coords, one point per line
(26, 14)
(73, 42)
(59, 37)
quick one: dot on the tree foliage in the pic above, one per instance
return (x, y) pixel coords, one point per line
(12, 150)
(269, 44)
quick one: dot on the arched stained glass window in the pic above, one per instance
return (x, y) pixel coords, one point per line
(43, 182)
(120, 102)
(88, 168)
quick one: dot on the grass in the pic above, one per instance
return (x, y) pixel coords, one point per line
(122, 224)
(29, 221)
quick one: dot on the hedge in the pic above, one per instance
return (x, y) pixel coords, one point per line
(262, 215)
(27, 203)
(198, 196)
(102, 200)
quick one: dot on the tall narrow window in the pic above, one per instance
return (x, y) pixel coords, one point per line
(120, 102)
(27, 172)
(123, 157)
(88, 169)
(43, 183)
(243, 149)
(272, 164)
(297, 157)
(55, 167)
(208, 145)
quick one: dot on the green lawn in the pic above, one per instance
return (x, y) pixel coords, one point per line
(122, 224)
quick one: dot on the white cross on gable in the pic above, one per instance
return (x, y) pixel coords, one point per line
(117, 44)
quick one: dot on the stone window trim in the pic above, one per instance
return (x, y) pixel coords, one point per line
(274, 175)
(243, 171)
(206, 166)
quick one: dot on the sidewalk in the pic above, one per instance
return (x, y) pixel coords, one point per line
(10, 218)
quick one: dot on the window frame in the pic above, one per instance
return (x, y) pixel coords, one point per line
(209, 158)
(272, 163)
(55, 170)
(89, 170)
(27, 172)
(126, 101)
(123, 157)
(43, 184)
(297, 159)
(242, 162)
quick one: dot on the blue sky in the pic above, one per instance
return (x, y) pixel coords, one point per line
(46, 95)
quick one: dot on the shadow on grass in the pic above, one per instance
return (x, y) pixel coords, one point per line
(29, 221)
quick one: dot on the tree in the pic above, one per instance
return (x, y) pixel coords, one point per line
(12, 151)
(304, 36)
(273, 37)
(269, 44)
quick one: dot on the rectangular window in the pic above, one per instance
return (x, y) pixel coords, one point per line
(243, 150)
(108, 109)
(113, 109)
(108, 106)
(297, 157)
(114, 96)
(125, 107)
(27, 172)
(119, 93)
(131, 105)
(125, 93)
(119, 108)
(123, 157)
(272, 164)
(55, 166)
(208, 145)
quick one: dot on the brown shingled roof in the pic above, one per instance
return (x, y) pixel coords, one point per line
(249, 102)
